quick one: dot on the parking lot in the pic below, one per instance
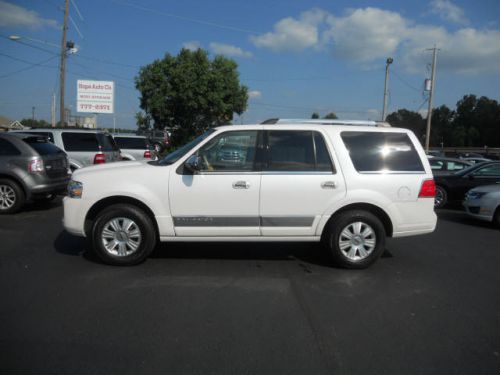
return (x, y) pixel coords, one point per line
(430, 306)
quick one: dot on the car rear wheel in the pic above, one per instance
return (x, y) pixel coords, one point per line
(441, 197)
(123, 235)
(356, 239)
(496, 218)
(11, 197)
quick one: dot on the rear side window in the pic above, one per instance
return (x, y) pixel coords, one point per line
(43, 147)
(382, 152)
(80, 141)
(297, 151)
(131, 143)
(8, 149)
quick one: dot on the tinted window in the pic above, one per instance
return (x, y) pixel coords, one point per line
(380, 152)
(490, 170)
(131, 143)
(297, 151)
(107, 142)
(436, 164)
(230, 151)
(49, 135)
(42, 146)
(80, 141)
(7, 148)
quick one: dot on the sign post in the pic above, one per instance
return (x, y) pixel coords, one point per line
(95, 96)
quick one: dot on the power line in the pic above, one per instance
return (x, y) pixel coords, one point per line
(31, 65)
(405, 82)
(201, 22)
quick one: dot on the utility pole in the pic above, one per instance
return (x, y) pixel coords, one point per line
(33, 114)
(386, 83)
(63, 61)
(431, 94)
(53, 112)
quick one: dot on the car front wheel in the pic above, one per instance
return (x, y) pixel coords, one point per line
(356, 239)
(123, 235)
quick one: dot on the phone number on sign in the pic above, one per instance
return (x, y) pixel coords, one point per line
(95, 107)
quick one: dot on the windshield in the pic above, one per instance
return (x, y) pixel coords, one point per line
(180, 152)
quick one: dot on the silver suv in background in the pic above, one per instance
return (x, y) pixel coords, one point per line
(31, 168)
(84, 147)
(134, 147)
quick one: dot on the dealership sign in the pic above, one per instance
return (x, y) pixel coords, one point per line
(95, 96)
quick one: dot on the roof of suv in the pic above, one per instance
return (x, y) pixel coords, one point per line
(59, 130)
(313, 126)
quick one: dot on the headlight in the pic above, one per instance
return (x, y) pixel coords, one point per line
(474, 195)
(75, 189)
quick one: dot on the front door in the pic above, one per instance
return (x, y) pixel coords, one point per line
(222, 199)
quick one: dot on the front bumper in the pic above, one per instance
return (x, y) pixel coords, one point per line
(75, 211)
(474, 209)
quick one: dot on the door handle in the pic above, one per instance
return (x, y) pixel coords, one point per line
(328, 185)
(241, 185)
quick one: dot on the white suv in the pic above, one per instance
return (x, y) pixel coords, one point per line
(348, 185)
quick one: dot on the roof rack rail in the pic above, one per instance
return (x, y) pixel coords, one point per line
(278, 121)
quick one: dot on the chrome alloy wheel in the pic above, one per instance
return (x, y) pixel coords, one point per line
(7, 197)
(439, 198)
(357, 241)
(121, 236)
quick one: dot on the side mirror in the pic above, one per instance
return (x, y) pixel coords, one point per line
(193, 164)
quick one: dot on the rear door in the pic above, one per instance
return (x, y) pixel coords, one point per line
(299, 182)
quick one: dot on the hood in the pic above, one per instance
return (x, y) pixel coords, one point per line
(120, 167)
(487, 189)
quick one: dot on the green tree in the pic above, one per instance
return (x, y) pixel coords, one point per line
(404, 118)
(442, 126)
(35, 123)
(331, 116)
(315, 116)
(190, 92)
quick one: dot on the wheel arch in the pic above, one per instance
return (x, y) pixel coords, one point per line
(117, 199)
(373, 209)
(17, 181)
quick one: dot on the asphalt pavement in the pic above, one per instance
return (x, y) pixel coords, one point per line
(430, 305)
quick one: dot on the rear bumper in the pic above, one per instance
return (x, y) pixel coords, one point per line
(42, 186)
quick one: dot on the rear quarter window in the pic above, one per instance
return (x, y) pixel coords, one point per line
(80, 141)
(8, 149)
(43, 147)
(373, 152)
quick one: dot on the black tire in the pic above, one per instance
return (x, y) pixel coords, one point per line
(441, 198)
(496, 218)
(361, 251)
(12, 196)
(118, 214)
(158, 147)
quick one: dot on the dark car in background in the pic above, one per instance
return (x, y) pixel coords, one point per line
(452, 188)
(31, 168)
(442, 165)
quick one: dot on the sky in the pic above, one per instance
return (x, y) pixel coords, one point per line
(296, 57)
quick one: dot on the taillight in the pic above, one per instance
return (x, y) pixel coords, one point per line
(147, 154)
(428, 189)
(99, 158)
(35, 165)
